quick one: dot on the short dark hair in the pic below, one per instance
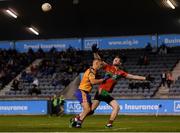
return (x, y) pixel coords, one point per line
(118, 56)
(98, 59)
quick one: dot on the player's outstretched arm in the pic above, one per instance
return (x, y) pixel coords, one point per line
(137, 77)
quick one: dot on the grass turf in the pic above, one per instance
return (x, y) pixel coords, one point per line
(92, 124)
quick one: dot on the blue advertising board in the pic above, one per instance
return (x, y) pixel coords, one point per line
(46, 45)
(31, 107)
(169, 40)
(120, 42)
(6, 45)
(131, 107)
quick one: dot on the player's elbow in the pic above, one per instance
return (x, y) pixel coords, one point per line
(130, 76)
(87, 110)
(93, 82)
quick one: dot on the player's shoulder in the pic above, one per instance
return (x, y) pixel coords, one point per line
(86, 71)
(109, 66)
(90, 71)
(121, 72)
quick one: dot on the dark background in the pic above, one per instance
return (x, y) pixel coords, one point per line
(88, 18)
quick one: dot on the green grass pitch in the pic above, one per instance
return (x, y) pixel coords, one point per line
(92, 124)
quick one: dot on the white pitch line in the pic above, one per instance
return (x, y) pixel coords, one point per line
(113, 129)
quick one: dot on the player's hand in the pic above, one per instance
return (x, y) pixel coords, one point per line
(106, 77)
(94, 48)
(149, 78)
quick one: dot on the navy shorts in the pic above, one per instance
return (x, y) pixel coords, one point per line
(83, 96)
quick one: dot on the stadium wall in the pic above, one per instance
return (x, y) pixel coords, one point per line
(132, 107)
(127, 42)
(7, 45)
(46, 45)
(171, 40)
(23, 107)
(127, 107)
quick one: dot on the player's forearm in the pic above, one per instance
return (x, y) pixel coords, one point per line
(135, 77)
(97, 81)
(96, 56)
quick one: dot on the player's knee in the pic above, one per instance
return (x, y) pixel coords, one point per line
(117, 108)
(88, 109)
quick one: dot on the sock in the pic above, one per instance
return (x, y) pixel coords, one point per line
(110, 122)
(77, 116)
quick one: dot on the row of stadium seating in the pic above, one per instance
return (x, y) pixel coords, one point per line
(67, 65)
(54, 73)
(11, 64)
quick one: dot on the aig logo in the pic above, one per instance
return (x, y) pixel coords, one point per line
(176, 106)
(73, 107)
(89, 43)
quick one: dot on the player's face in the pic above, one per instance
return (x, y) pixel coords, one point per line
(99, 64)
(117, 61)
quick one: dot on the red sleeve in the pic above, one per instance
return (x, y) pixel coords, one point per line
(106, 67)
(122, 73)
